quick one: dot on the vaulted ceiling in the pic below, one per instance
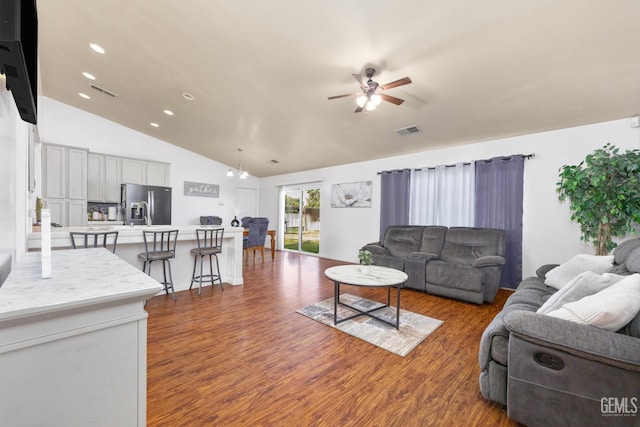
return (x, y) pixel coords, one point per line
(260, 72)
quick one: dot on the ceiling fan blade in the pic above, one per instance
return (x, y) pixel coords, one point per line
(359, 109)
(342, 96)
(391, 99)
(396, 83)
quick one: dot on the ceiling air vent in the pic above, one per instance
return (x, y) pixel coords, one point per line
(106, 92)
(408, 130)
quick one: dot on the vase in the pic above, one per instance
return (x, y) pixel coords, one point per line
(235, 222)
(365, 269)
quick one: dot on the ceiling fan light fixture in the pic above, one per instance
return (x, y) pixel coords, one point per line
(373, 91)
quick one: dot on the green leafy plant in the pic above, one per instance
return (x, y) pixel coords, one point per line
(39, 207)
(365, 257)
(604, 195)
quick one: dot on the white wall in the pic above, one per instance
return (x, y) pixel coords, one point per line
(62, 124)
(13, 177)
(549, 235)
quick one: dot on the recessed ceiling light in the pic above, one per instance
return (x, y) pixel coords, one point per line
(96, 48)
(168, 112)
(84, 95)
(88, 75)
(155, 125)
(188, 96)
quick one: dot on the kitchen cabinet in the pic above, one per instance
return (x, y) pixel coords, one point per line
(113, 178)
(58, 208)
(157, 174)
(67, 212)
(77, 174)
(54, 164)
(64, 184)
(134, 171)
(76, 213)
(72, 176)
(104, 178)
(95, 177)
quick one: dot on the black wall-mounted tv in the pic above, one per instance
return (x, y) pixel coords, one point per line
(19, 54)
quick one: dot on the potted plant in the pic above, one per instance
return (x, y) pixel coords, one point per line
(39, 206)
(604, 195)
(366, 259)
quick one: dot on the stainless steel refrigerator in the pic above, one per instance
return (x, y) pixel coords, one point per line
(143, 202)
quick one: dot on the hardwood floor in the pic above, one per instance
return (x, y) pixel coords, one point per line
(244, 357)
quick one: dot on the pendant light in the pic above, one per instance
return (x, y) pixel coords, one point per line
(243, 174)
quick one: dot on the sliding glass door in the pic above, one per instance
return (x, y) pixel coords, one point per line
(302, 219)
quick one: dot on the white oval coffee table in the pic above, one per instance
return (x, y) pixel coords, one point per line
(377, 277)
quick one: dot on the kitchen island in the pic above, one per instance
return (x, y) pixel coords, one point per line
(73, 347)
(131, 243)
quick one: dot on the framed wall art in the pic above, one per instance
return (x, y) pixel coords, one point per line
(351, 195)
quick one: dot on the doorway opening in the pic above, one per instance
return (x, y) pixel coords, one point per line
(302, 219)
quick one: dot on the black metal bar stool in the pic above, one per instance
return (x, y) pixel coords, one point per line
(94, 239)
(209, 244)
(160, 245)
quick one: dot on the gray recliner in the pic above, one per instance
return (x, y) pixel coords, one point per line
(457, 262)
(469, 265)
(551, 371)
(408, 248)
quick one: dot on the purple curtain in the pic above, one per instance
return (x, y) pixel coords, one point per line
(394, 198)
(499, 187)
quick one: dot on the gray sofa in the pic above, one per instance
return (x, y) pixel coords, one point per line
(457, 262)
(549, 371)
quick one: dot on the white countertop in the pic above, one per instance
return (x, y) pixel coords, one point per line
(79, 278)
(126, 234)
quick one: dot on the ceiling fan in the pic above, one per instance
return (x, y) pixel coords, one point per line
(372, 92)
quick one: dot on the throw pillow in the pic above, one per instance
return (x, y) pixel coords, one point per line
(583, 285)
(564, 273)
(609, 309)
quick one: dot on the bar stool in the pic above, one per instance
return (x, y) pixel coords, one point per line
(209, 244)
(160, 245)
(94, 239)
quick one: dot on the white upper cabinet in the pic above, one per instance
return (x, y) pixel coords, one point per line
(104, 178)
(113, 178)
(77, 174)
(64, 171)
(157, 174)
(95, 178)
(134, 171)
(54, 165)
(73, 176)
(64, 184)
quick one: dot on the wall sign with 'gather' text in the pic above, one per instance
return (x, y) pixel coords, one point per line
(200, 189)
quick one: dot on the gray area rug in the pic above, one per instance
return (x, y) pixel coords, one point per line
(414, 328)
